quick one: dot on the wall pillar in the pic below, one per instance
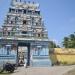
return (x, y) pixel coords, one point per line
(28, 56)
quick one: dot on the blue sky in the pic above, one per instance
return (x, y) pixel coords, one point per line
(59, 16)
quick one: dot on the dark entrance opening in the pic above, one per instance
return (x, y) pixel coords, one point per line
(23, 52)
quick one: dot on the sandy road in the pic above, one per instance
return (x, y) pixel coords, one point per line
(56, 70)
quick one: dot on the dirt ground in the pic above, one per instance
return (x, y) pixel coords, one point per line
(71, 72)
(55, 70)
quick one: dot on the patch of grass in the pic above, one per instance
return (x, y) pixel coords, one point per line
(5, 73)
(72, 72)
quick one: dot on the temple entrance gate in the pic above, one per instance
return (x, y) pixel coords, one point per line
(23, 53)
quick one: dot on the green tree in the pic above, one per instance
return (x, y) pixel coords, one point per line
(66, 42)
(69, 42)
(72, 40)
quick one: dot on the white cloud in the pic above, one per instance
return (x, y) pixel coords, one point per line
(56, 41)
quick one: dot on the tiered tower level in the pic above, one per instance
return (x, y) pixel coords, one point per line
(24, 36)
(24, 20)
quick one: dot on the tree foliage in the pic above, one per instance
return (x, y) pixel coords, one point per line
(69, 41)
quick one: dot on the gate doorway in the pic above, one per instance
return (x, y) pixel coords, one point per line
(24, 53)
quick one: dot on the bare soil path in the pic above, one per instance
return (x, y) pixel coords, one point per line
(55, 70)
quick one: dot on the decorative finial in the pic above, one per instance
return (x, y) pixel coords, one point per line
(25, 2)
(13, 1)
(28, 1)
(33, 2)
(20, 0)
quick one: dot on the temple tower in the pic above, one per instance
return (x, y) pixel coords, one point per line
(24, 25)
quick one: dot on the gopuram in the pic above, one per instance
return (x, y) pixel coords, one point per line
(23, 36)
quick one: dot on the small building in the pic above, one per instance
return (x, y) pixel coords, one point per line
(24, 35)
